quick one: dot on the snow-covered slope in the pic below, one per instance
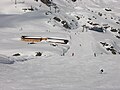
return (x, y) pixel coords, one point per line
(76, 40)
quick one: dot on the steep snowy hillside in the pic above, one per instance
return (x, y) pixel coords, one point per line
(59, 44)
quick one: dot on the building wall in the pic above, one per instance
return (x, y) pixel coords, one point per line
(33, 39)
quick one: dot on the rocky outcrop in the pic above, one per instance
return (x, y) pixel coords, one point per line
(74, 0)
(47, 2)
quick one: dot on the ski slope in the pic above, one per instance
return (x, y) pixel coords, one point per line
(50, 64)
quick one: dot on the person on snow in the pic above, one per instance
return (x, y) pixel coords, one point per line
(72, 54)
(95, 54)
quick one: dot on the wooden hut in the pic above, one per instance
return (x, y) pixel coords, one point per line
(32, 39)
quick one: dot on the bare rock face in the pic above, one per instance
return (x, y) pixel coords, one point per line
(74, 0)
(47, 2)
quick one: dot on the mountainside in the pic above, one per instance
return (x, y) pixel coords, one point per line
(59, 44)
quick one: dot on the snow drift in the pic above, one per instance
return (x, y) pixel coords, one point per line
(5, 60)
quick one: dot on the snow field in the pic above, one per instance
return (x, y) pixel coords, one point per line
(75, 65)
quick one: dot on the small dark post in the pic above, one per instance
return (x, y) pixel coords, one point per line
(83, 28)
(15, 1)
(55, 8)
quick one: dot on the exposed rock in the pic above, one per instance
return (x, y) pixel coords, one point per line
(74, 0)
(57, 19)
(17, 54)
(108, 9)
(38, 54)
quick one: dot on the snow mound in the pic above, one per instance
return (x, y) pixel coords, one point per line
(5, 60)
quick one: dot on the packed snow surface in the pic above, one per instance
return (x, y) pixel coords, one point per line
(82, 50)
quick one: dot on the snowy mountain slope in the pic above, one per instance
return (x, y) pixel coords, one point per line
(61, 74)
(92, 29)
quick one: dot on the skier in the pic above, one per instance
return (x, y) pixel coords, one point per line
(95, 54)
(80, 44)
(72, 54)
